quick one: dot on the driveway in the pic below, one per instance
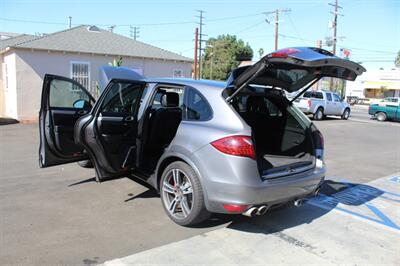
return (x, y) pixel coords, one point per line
(59, 215)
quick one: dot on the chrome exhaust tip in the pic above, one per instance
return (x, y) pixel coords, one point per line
(262, 210)
(251, 212)
(298, 202)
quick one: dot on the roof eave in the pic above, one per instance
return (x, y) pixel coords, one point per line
(103, 54)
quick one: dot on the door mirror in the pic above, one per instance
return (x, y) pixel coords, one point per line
(82, 104)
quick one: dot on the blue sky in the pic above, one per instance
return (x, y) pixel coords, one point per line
(370, 28)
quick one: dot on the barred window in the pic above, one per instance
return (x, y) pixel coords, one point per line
(80, 72)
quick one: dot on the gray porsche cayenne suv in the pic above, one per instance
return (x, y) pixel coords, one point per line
(236, 147)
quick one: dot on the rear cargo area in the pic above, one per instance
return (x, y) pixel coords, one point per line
(281, 133)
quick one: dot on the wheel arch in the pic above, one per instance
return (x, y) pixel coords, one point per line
(169, 158)
(318, 107)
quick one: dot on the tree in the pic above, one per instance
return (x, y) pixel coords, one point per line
(223, 54)
(397, 60)
(116, 62)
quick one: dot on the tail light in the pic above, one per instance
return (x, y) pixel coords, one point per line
(309, 103)
(236, 145)
(235, 208)
(283, 53)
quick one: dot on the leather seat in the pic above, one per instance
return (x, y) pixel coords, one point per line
(163, 125)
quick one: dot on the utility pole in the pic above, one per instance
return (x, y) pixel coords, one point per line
(134, 32)
(196, 44)
(276, 12)
(70, 22)
(201, 24)
(334, 24)
(334, 38)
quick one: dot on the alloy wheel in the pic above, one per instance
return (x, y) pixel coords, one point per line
(177, 193)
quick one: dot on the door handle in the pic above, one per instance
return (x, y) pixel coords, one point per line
(81, 112)
(129, 118)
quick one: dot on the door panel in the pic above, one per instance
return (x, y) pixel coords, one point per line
(63, 102)
(112, 133)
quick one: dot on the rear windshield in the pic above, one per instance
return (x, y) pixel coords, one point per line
(313, 94)
(270, 107)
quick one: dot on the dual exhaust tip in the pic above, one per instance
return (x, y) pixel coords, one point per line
(253, 211)
(261, 210)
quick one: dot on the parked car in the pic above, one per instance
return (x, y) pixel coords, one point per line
(237, 147)
(322, 103)
(388, 109)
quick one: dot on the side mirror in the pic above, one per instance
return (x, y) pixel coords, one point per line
(82, 104)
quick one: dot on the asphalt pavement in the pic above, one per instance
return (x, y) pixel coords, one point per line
(61, 216)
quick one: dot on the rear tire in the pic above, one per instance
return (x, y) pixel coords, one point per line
(381, 116)
(86, 164)
(173, 195)
(346, 114)
(319, 114)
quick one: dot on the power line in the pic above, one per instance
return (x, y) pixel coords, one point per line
(294, 27)
(127, 25)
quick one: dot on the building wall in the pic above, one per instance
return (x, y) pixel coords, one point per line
(8, 99)
(2, 100)
(31, 66)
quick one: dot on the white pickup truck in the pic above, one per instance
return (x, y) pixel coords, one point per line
(322, 103)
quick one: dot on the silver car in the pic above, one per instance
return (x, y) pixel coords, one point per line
(322, 103)
(237, 147)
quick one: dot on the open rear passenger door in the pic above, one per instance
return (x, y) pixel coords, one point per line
(63, 102)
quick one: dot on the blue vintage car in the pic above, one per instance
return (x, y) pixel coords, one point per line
(388, 109)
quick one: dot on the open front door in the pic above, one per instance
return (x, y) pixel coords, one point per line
(63, 102)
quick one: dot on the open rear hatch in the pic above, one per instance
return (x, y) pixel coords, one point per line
(283, 136)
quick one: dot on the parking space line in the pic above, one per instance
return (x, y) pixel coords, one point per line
(360, 201)
(374, 122)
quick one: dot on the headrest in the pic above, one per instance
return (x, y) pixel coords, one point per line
(170, 99)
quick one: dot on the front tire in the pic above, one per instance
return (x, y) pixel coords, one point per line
(182, 195)
(381, 116)
(319, 114)
(346, 114)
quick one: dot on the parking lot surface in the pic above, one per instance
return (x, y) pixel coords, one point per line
(60, 215)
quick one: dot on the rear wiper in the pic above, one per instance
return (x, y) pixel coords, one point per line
(305, 89)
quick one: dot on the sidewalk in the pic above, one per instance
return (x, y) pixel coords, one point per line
(357, 225)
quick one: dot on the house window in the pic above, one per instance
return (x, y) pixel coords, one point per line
(178, 73)
(80, 72)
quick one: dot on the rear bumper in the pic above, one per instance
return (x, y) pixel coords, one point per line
(236, 180)
(269, 192)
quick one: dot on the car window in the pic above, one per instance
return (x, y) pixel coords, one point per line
(161, 91)
(329, 97)
(66, 94)
(336, 98)
(122, 98)
(313, 94)
(256, 104)
(196, 106)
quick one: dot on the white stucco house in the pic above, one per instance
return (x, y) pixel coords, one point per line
(77, 53)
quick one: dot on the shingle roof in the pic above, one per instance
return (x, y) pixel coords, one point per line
(13, 41)
(98, 41)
